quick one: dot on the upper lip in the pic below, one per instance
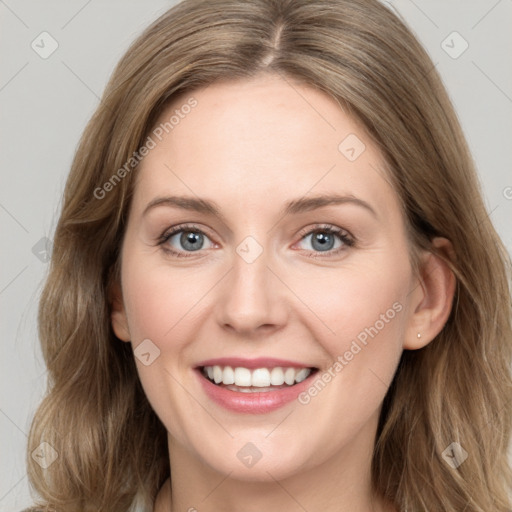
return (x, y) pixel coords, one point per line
(259, 362)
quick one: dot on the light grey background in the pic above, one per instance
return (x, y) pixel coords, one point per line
(45, 104)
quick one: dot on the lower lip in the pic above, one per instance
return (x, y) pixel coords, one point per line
(253, 403)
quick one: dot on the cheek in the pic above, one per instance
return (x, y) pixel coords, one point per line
(162, 306)
(347, 301)
(160, 300)
(358, 312)
(359, 317)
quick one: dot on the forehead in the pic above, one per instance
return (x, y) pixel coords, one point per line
(261, 141)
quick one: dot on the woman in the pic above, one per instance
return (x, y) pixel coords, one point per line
(274, 283)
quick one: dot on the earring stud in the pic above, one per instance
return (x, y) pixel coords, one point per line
(419, 335)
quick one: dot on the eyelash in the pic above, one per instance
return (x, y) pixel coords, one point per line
(348, 241)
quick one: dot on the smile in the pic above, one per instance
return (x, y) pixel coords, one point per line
(256, 386)
(260, 380)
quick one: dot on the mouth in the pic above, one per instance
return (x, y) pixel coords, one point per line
(255, 380)
(253, 386)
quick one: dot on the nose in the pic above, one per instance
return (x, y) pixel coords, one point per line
(252, 299)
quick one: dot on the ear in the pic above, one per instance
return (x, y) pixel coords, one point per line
(118, 312)
(432, 296)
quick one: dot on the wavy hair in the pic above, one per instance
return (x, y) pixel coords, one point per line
(112, 448)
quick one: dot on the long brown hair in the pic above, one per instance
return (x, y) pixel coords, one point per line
(111, 447)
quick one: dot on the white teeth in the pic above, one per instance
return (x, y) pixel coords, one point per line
(228, 375)
(302, 374)
(289, 376)
(217, 374)
(262, 378)
(242, 376)
(276, 377)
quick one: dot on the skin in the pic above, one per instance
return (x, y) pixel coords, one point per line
(251, 146)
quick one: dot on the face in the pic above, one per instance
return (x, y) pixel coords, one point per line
(289, 252)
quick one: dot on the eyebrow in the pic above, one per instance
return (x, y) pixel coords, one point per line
(295, 206)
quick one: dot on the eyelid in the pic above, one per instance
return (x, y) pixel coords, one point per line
(182, 227)
(325, 227)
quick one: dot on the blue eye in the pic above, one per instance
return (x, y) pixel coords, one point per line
(322, 241)
(184, 240)
(188, 240)
(328, 239)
